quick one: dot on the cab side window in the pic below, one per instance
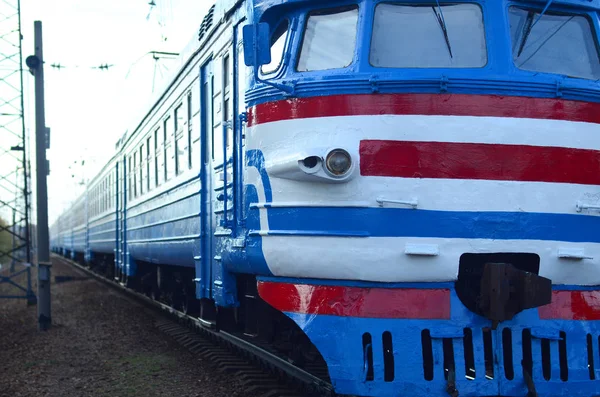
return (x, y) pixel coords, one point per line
(278, 40)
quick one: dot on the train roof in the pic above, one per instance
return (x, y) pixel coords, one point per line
(217, 13)
(260, 6)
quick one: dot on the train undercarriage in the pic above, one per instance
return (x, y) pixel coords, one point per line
(254, 320)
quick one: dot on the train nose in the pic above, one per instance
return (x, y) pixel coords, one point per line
(498, 286)
(507, 290)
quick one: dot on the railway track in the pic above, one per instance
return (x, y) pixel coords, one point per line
(263, 373)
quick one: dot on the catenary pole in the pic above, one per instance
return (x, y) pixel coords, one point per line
(36, 64)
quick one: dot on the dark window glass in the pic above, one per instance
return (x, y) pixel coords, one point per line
(226, 73)
(179, 153)
(142, 160)
(130, 186)
(166, 148)
(157, 156)
(148, 159)
(134, 172)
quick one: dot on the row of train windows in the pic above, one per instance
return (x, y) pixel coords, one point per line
(442, 36)
(145, 167)
(174, 147)
(164, 153)
(168, 151)
(102, 195)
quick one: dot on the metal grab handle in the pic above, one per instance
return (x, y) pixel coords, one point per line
(225, 223)
(411, 203)
(582, 206)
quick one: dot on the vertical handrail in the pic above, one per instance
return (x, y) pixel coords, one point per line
(124, 254)
(238, 182)
(226, 223)
(235, 126)
(117, 220)
(87, 256)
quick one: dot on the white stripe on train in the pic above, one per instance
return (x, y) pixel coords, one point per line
(383, 259)
(492, 130)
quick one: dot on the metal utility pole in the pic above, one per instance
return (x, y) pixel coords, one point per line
(14, 161)
(36, 65)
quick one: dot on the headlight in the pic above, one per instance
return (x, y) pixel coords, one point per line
(338, 162)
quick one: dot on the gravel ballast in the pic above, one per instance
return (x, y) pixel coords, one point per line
(100, 344)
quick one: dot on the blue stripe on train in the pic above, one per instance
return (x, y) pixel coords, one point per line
(398, 222)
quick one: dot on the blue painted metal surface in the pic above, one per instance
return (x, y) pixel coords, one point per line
(375, 222)
(257, 48)
(339, 340)
(204, 264)
(250, 259)
(164, 228)
(116, 248)
(238, 128)
(101, 235)
(500, 76)
(224, 281)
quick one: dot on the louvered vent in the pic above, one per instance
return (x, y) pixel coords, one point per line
(206, 23)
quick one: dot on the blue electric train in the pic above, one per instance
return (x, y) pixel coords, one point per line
(407, 192)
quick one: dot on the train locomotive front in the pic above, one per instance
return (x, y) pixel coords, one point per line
(423, 185)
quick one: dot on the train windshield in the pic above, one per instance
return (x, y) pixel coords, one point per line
(556, 43)
(430, 36)
(329, 40)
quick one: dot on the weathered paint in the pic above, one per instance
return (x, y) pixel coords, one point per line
(340, 341)
(572, 305)
(357, 302)
(452, 160)
(383, 259)
(425, 104)
(301, 221)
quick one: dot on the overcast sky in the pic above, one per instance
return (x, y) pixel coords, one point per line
(89, 109)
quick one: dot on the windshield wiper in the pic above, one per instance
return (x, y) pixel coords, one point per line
(545, 41)
(529, 24)
(526, 30)
(442, 23)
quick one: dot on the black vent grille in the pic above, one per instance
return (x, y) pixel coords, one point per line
(207, 23)
(527, 360)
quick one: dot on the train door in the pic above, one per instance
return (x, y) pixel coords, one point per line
(204, 266)
(241, 76)
(121, 213)
(117, 249)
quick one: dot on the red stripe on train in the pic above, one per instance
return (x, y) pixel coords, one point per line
(572, 305)
(452, 160)
(357, 302)
(425, 104)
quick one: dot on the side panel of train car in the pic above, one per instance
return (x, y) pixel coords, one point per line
(412, 195)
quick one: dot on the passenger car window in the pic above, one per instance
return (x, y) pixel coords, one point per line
(278, 39)
(329, 40)
(413, 36)
(557, 43)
